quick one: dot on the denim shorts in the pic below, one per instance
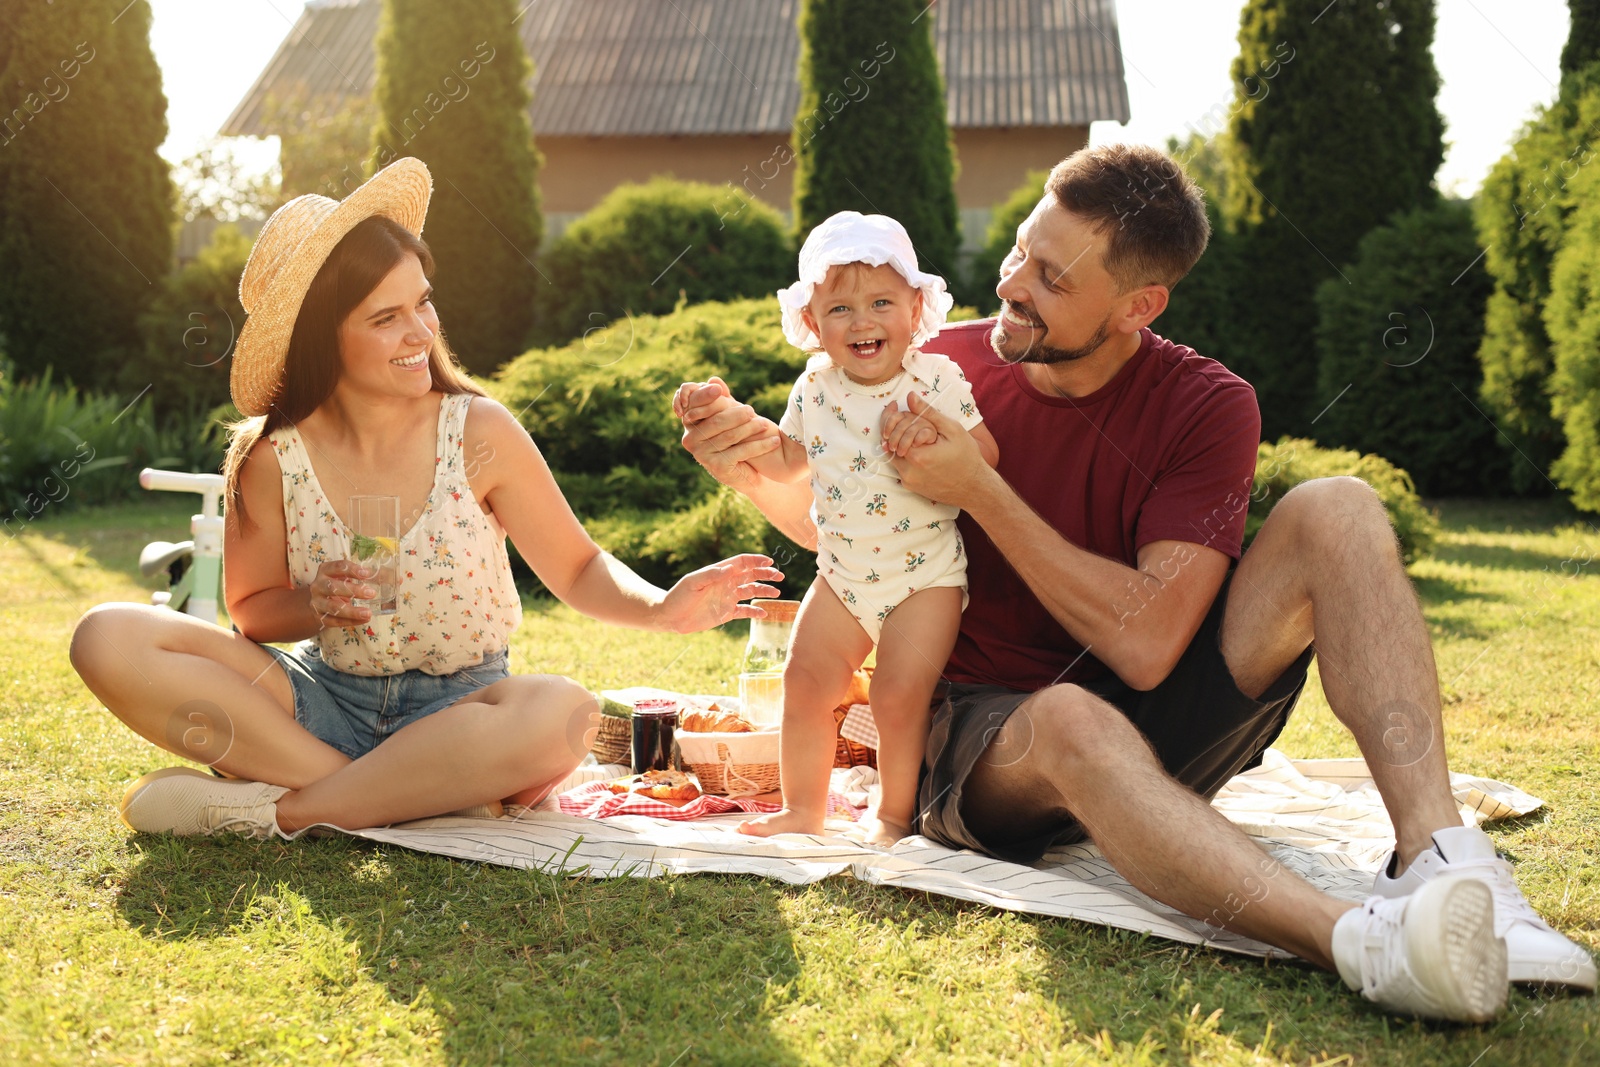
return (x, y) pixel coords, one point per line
(355, 713)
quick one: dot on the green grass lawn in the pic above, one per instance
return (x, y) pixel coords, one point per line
(124, 949)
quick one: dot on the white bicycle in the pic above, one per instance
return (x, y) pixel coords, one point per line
(194, 567)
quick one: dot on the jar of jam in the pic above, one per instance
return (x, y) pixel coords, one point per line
(654, 721)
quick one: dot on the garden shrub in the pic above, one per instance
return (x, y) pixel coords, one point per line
(1282, 466)
(645, 249)
(1397, 345)
(190, 330)
(663, 546)
(60, 447)
(600, 407)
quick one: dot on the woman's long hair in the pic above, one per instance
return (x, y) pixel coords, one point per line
(366, 255)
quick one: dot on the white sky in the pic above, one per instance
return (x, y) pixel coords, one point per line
(1498, 60)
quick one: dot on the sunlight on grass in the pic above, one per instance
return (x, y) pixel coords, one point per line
(148, 950)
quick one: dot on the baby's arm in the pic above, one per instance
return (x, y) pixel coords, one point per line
(786, 463)
(986, 444)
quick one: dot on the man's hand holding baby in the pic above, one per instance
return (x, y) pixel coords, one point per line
(935, 457)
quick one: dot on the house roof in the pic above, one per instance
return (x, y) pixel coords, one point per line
(615, 68)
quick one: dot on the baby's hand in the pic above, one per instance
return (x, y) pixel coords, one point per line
(903, 431)
(696, 401)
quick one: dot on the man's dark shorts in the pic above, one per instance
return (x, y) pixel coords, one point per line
(1202, 728)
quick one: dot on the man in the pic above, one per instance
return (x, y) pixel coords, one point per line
(1121, 659)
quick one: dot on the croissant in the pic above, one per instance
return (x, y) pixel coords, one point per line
(714, 722)
(658, 785)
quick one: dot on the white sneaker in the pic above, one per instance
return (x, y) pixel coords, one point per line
(183, 801)
(1536, 952)
(1433, 954)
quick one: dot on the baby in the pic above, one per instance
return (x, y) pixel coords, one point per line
(890, 564)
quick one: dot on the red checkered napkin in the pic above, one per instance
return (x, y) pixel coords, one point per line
(597, 801)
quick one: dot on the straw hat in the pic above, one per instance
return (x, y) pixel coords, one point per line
(289, 251)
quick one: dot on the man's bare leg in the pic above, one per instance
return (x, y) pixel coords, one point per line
(1326, 562)
(1067, 751)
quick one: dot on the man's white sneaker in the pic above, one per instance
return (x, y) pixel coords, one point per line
(183, 801)
(1536, 952)
(1433, 954)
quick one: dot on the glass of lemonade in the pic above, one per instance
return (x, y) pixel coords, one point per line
(375, 541)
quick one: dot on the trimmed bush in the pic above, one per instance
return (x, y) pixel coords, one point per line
(601, 407)
(645, 249)
(663, 546)
(1397, 353)
(190, 330)
(1282, 466)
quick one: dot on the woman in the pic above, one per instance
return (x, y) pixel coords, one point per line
(371, 719)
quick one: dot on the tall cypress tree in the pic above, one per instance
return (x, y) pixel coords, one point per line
(871, 134)
(86, 204)
(452, 91)
(1583, 36)
(1335, 129)
(1523, 213)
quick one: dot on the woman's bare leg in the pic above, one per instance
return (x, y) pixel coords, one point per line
(218, 698)
(513, 739)
(912, 650)
(199, 691)
(828, 646)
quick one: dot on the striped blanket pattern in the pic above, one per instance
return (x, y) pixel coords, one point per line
(1320, 818)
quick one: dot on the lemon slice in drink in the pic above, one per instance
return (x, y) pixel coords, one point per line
(365, 547)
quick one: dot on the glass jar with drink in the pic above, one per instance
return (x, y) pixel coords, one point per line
(761, 672)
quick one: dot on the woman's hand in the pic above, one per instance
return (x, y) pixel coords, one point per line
(333, 592)
(710, 596)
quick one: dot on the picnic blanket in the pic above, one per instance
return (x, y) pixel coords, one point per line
(1322, 819)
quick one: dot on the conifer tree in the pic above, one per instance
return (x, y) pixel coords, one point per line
(1523, 213)
(1583, 36)
(1335, 129)
(86, 204)
(871, 133)
(452, 91)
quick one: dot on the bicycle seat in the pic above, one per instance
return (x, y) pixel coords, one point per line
(159, 555)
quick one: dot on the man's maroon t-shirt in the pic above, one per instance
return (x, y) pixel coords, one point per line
(1165, 451)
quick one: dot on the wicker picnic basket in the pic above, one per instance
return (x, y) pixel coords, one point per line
(614, 742)
(731, 765)
(848, 753)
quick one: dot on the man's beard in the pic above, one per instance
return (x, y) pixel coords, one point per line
(1043, 354)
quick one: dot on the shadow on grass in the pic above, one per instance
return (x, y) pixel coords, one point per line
(516, 966)
(1505, 558)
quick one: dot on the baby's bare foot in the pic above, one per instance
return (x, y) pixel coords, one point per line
(786, 821)
(881, 833)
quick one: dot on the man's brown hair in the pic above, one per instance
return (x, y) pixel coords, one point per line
(1153, 216)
